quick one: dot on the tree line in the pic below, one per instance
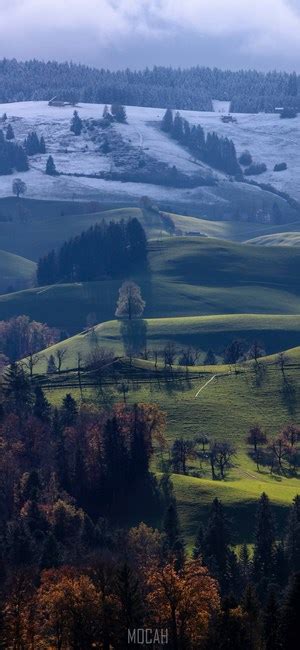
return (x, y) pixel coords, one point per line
(105, 250)
(13, 156)
(216, 151)
(193, 89)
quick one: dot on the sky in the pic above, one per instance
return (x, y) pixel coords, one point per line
(262, 34)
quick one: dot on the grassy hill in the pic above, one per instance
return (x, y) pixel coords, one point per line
(15, 272)
(187, 276)
(277, 239)
(50, 223)
(202, 332)
(224, 409)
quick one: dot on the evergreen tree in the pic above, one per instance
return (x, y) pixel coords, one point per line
(50, 167)
(174, 546)
(17, 390)
(177, 130)
(119, 113)
(216, 544)
(270, 622)
(292, 540)
(263, 557)
(51, 365)
(10, 133)
(76, 124)
(42, 145)
(290, 615)
(167, 121)
(69, 411)
(42, 408)
(137, 241)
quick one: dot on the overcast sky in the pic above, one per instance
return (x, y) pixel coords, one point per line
(136, 33)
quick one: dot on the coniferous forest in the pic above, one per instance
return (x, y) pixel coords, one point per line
(193, 89)
(105, 250)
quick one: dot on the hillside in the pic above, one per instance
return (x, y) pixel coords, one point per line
(15, 272)
(275, 333)
(50, 223)
(277, 239)
(80, 160)
(188, 276)
(224, 409)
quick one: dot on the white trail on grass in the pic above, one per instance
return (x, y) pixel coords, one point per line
(202, 387)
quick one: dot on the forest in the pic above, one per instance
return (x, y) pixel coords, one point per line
(192, 89)
(102, 251)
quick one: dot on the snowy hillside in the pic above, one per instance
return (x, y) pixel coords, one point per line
(268, 138)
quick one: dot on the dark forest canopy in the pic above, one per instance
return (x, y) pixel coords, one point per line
(193, 88)
(105, 250)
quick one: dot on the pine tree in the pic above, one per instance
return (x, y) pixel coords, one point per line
(119, 113)
(69, 411)
(42, 408)
(50, 167)
(292, 540)
(17, 390)
(290, 615)
(137, 242)
(177, 130)
(216, 544)
(270, 622)
(263, 557)
(10, 133)
(42, 145)
(174, 546)
(167, 121)
(51, 365)
(76, 124)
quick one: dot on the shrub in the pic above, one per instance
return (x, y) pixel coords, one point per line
(280, 167)
(255, 169)
(245, 158)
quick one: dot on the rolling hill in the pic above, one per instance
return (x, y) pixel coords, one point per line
(277, 239)
(15, 272)
(189, 276)
(224, 409)
(50, 223)
(276, 333)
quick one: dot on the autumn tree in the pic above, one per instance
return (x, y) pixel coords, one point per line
(182, 601)
(67, 603)
(130, 303)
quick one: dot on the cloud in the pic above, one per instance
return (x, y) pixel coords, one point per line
(263, 26)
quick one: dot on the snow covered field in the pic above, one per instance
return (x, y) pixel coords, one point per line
(268, 138)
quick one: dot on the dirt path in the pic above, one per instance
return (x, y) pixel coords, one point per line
(202, 387)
